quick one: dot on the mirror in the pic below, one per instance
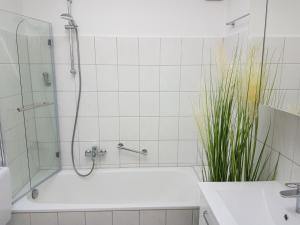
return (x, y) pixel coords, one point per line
(283, 52)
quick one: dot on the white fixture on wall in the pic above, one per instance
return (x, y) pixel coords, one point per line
(5, 196)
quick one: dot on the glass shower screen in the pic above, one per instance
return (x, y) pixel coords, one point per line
(28, 111)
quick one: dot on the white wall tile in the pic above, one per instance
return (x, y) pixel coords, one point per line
(46, 154)
(211, 48)
(44, 111)
(275, 46)
(74, 218)
(296, 150)
(149, 78)
(109, 128)
(46, 129)
(65, 81)
(151, 159)
(168, 152)
(34, 49)
(129, 158)
(169, 103)
(9, 42)
(129, 128)
(126, 218)
(290, 78)
(149, 51)
(169, 78)
(106, 50)
(108, 103)
(87, 50)
(295, 173)
(149, 128)
(285, 130)
(88, 129)
(284, 170)
(66, 160)
(149, 104)
(187, 152)
(112, 156)
(128, 78)
(88, 104)
(292, 50)
(96, 218)
(44, 218)
(266, 124)
(189, 101)
(152, 217)
(179, 217)
(129, 103)
(192, 50)
(191, 78)
(20, 219)
(89, 78)
(168, 128)
(128, 51)
(170, 51)
(66, 128)
(10, 117)
(187, 128)
(107, 78)
(62, 51)
(37, 82)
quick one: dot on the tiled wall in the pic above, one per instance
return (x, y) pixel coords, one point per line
(284, 142)
(133, 217)
(284, 55)
(139, 91)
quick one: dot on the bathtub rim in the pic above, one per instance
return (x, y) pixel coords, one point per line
(27, 205)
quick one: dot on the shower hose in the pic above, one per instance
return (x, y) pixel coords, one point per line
(77, 112)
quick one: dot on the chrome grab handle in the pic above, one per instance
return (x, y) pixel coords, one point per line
(142, 152)
(232, 22)
(205, 218)
(33, 106)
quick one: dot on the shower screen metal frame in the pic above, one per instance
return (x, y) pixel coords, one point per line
(2, 152)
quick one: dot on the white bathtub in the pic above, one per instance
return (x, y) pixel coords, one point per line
(116, 189)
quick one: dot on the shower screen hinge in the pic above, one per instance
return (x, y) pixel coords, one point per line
(57, 154)
(49, 42)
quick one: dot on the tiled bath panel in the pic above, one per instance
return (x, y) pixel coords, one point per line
(115, 217)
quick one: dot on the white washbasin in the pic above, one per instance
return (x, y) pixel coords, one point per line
(250, 203)
(5, 196)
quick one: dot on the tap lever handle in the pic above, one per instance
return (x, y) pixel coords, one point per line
(293, 185)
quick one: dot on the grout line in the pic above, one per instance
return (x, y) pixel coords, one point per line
(179, 102)
(139, 93)
(119, 107)
(159, 95)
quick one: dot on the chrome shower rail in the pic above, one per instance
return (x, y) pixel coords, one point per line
(232, 22)
(142, 152)
(34, 106)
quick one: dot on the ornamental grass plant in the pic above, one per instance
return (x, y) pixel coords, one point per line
(228, 118)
